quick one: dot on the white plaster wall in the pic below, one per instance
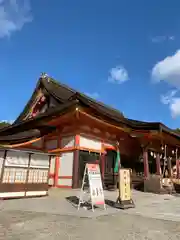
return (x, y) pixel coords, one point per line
(39, 161)
(52, 165)
(67, 141)
(87, 142)
(65, 182)
(66, 164)
(18, 159)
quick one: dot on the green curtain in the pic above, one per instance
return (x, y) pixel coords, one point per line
(117, 164)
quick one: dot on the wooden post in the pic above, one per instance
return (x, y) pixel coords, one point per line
(57, 166)
(75, 183)
(177, 165)
(102, 165)
(3, 166)
(146, 163)
(177, 168)
(75, 180)
(169, 167)
(158, 164)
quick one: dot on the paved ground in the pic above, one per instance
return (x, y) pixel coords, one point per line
(55, 218)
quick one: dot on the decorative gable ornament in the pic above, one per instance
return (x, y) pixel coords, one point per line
(44, 75)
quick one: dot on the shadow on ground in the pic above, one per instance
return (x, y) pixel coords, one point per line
(74, 200)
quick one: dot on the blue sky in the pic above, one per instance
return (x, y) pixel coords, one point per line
(124, 53)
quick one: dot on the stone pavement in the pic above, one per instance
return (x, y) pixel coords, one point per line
(20, 225)
(54, 218)
(164, 207)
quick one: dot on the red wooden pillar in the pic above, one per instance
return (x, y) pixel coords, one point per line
(57, 166)
(177, 168)
(75, 182)
(146, 164)
(103, 158)
(158, 164)
(102, 164)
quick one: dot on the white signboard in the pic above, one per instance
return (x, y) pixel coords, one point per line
(95, 183)
(92, 171)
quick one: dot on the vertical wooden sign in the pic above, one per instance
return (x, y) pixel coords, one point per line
(124, 186)
(124, 199)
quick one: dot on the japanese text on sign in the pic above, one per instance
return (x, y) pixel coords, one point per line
(95, 183)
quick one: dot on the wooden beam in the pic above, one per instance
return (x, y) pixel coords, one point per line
(124, 129)
(62, 119)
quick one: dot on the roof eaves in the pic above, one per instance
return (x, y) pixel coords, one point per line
(29, 122)
(169, 131)
(99, 103)
(141, 125)
(117, 117)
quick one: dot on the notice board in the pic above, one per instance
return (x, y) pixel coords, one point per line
(95, 184)
(93, 174)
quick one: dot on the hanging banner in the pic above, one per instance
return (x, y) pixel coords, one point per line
(95, 183)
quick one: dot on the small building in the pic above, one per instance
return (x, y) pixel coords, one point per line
(76, 129)
(23, 173)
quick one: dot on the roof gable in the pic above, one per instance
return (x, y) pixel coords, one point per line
(56, 94)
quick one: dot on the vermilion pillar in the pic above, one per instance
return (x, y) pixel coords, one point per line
(158, 164)
(75, 183)
(146, 163)
(177, 168)
(102, 165)
(57, 166)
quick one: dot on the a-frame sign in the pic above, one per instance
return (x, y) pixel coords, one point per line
(93, 175)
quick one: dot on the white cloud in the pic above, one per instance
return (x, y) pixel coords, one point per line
(171, 38)
(175, 107)
(159, 39)
(166, 99)
(94, 95)
(168, 70)
(14, 14)
(173, 103)
(118, 75)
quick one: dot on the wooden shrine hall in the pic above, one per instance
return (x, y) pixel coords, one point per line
(75, 129)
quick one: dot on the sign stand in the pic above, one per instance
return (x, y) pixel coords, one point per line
(124, 200)
(93, 175)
